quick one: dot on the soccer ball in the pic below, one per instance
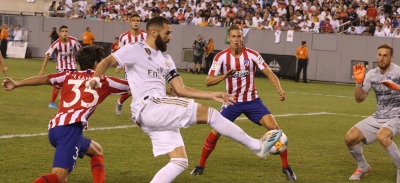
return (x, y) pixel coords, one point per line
(280, 146)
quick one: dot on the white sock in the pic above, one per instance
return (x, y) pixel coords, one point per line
(357, 153)
(229, 129)
(170, 171)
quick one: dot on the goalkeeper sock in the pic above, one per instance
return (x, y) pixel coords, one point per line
(54, 94)
(123, 97)
(97, 167)
(357, 153)
(229, 129)
(48, 178)
(394, 153)
(208, 147)
(284, 158)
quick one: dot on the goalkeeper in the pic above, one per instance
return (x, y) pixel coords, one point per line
(384, 124)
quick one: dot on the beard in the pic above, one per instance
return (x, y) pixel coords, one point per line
(161, 45)
(383, 66)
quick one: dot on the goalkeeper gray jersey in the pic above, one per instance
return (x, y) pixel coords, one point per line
(388, 101)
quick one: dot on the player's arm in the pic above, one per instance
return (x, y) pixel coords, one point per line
(183, 91)
(45, 61)
(3, 66)
(9, 84)
(106, 63)
(214, 80)
(275, 82)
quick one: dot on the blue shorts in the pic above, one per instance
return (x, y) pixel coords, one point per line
(69, 143)
(254, 110)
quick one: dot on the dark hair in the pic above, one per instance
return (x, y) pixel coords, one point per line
(303, 42)
(234, 27)
(157, 23)
(134, 15)
(88, 55)
(116, 37)
(87, 28)
(63, 27)
(386, 46)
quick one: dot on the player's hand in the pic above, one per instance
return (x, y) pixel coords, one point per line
(117, 70)
(358, 72)
(5, 69)
(282, 95)
(9, 84)
(225, 98)
(390, 84)
(230, 73)
(93, 83)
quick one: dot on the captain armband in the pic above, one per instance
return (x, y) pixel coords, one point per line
(171, 75)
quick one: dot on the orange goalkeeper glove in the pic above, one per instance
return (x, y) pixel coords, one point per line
(390, 84)
(358, 72)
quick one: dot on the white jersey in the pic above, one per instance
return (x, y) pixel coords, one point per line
(147, 70)
(388, 101)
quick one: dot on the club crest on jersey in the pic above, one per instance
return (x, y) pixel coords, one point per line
(148, 51)
(389, 78)
(246, 62)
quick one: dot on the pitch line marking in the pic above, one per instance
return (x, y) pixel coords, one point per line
(133, 126)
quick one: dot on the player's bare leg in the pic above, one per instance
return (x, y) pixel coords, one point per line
(95, 152)
(352, 139)
(269, 122)
(384, 136)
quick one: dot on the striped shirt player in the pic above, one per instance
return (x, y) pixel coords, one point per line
(64, 53)
(127, 37)
(79, 107)
(237, 66)
(241, 84)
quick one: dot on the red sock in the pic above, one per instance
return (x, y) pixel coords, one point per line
(97, 166)
(123, 97)
(54, 94)
(208, 147)
(284, 158)
(48, 178)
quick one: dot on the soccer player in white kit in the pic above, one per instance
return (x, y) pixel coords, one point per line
(133, 35)
(148, 68)
(384, 124)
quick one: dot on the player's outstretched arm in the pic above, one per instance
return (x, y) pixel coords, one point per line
(9, 84)
(214, 80)
(45, 61)
(183, 91)
(106, 63)
(275, 82)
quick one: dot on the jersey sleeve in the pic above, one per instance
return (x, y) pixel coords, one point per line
(57, 79)
(117, 86)
(216, 66)
(259, 61)
(172, 72)
(124, 55)
(367, 81)
(120, 42)
(77, 46)
(53, 47)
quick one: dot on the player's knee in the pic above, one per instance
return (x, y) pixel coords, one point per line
(97, 149)
(384, 137)
(350, 139)
(182, 162)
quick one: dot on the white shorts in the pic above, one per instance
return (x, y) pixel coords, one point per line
(370, 126)
(162, 118)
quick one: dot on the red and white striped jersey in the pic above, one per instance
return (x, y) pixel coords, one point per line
(241, 84)
(127, 37)
(77, 103)
(65, 53)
